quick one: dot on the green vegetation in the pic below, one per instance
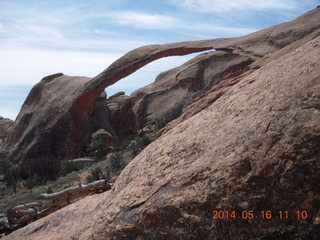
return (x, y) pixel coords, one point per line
(4, 166)
(139, 143)
(116, 163)
(30, 186)
(123, 145)
(32, 182)
(96, 147)
(175, 113)
(95, 174)
(49, 190)
(25, 195)
(67, 167)
(11, 177)
(9, 173)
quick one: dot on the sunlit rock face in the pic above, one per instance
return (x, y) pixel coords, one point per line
(56, 117)
(40, 136)
(250, 143)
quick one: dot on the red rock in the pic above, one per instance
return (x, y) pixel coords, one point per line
(122, 116)
(255, 148)
(58, 130)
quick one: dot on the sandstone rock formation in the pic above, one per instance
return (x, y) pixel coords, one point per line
(60, 128)
(122, 116)
(102, 140)
(257, 45)
(5, 128)
(179, 86)
(40, 134)
(99, 117)
(255, 147)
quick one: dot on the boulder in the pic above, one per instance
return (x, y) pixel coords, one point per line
(103, 135)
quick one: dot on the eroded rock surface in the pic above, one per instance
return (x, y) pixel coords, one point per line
(255, 45)
(256, 147)
(5, 128)
(40, 135)
(179, 86)
(59, 129)
(122, 116)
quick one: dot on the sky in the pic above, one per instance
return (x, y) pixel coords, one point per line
(83, 37)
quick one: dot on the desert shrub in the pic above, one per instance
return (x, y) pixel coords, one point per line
(49, 190)
(96, 147)
(116, 162)
(35, 180)
(139, 143)
(11, 177)
(95, 174)
(175, 113)
(123, 145)
(45, 168)
(67, 167)
(11, 174)
(2, 156)
(4, 166)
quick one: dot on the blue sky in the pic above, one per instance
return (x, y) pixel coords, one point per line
(83, 37)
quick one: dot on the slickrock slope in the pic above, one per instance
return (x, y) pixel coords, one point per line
(208, 97)
(256, 147)
(60, 128)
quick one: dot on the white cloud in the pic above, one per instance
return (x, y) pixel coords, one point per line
(219, 6)
(217, 30)
(44, 37)
(47, 32)
(163, 22)
(28, 66)
(142, 20)
(2, 28)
